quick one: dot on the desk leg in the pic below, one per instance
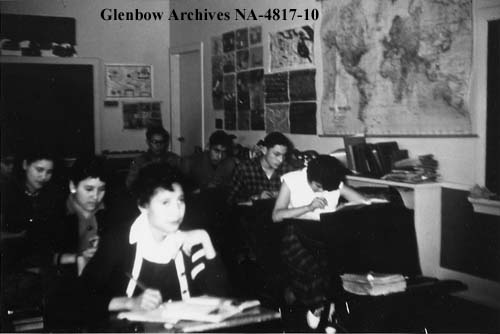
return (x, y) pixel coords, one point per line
(428, 228)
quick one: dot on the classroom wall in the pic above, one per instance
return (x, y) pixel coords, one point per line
(126, 42)
(460, 158)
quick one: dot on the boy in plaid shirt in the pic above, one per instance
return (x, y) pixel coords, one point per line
(260, 178)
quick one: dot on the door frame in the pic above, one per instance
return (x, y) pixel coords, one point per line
(175, 94)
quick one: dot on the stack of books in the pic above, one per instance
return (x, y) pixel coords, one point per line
(373, 160)
(422, 169)
(373, 284)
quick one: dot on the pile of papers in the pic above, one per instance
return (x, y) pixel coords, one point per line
(373, 284)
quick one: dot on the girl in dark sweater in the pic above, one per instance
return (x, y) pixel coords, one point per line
(169, 263)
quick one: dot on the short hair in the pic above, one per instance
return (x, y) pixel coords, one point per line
(89, 167)
(326, 170)
(152, 177)
(277, 138)
(220, 137)
(157, 130)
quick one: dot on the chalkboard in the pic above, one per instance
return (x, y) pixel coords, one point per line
(51, 102)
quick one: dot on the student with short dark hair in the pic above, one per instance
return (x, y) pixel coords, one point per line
(313, 190)
(158, 140)
(305, 194)
(212, 168)
(153, 261)
(85, 214)
(260, 178)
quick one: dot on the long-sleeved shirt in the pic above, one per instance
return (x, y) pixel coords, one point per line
(250, 179)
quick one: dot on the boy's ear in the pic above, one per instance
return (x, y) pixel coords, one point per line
(25, 165)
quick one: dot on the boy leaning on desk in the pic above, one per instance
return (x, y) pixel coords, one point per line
(153, 261)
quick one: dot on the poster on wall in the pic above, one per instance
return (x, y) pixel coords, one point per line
(303, 85)
(276, 86)
(411, 73)
(216, 45)
(122, 81)
(256, 57)
(141, 115)
(255, 35)
(217, 76)
(277, 117)
(241, 38)
(237, 78)
(303, 118)
(241, 60)
(292, 48)
(229, 84)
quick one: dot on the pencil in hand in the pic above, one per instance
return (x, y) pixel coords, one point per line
(140, 284)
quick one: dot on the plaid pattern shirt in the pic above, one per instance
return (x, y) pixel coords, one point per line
(250, 179)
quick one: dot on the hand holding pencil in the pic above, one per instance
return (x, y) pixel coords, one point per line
(148, 300)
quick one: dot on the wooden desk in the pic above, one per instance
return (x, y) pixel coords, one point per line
(425, 200)
(254, 316)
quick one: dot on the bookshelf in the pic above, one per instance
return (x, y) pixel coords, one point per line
(425, 201)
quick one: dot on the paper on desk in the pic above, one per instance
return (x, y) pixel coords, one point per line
(155, 315)
(203, 308)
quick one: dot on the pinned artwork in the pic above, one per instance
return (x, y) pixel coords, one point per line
(242, 38)
(217, 78)
(243, 119)
(276, 87)
(217, 47)
(277, 118)
(303, 85)
(243, 94)
(255, 35)
(256, 91)
(229, 102)
(241, 60)
(256, 88)
(141, 115)
(229, 85)
(257, 119)
(129, 81)
(256, 57)
(235, 89)
(292, 48)
(303, 118)
(229, 116)
(228, 62)
(228, 41)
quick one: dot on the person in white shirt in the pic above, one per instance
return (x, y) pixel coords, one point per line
(316, 189)
(305, 194)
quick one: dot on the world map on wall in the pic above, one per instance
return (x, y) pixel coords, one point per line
(396, 67)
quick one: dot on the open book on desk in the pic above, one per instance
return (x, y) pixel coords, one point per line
(203, 308)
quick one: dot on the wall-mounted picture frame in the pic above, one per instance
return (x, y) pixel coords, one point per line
(128, 81)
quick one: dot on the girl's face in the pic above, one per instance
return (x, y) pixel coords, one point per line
(38, 173)
(165, 210)
(89, 193)
(316, 186)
